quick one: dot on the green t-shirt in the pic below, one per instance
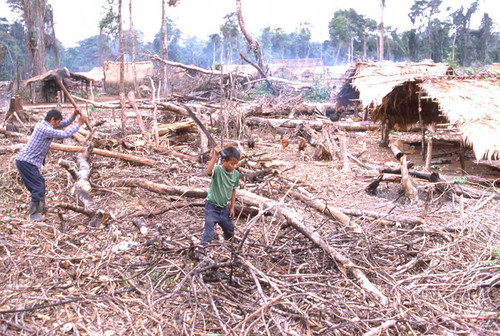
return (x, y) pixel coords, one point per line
(222, 186)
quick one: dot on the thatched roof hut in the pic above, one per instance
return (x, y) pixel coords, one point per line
(494, 69)
(43, 88)
(144, 71)
(471, 104)
(368, 82)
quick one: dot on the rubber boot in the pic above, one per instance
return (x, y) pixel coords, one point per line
(42, 207)
(33, 211)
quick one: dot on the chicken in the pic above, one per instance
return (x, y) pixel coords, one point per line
(302, 145)
(284, 141)
(251, 143)
(333, 115)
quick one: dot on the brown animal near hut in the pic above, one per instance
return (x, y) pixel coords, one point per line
(469, 104)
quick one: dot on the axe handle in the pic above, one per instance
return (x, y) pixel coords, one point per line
(70, 98)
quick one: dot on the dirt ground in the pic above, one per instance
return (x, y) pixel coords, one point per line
(439, 270)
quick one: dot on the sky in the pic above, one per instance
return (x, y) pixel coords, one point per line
(76, 20)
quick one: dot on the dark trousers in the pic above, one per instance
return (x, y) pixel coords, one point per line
(32, 179)
(216, 215)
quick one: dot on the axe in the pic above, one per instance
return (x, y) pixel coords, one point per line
(58, 77)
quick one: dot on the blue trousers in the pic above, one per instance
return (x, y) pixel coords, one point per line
(216, 215)
(32, 179)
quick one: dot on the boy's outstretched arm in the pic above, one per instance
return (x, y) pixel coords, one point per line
(231, 205)
(211, 163)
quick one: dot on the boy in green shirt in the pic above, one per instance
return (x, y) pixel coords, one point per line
(225, 180)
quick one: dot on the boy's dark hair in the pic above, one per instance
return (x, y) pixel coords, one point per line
(53, 114)
(230, 153)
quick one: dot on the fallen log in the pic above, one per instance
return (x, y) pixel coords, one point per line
(315, 124)
(187, 125)
(383, 216)
(131, 101)
(82, 188)
(10, 149)
(293, 218)
(160, 188)
(323, 207)
(78, 149)
(165, 208)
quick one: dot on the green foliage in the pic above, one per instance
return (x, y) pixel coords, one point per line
(460, 180)
(156, 277)
(217, 65)
(245, 96)
(263, 89)
(496, 253)
(318, 92)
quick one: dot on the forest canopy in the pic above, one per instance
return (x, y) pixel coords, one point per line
(30, 44)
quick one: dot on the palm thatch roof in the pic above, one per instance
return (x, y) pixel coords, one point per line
(369, 82)
(44, 88)
(471, 104)
(494, 68)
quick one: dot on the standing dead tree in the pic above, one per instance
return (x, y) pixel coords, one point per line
(254, 45)
(122, 69)
(132, 46)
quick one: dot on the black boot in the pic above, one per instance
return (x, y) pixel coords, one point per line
(33, 211)
(42, 207)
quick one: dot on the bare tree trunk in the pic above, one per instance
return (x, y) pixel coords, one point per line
(132, 46)
(453, 46)
(164, 47)
(351, 48)
(122, 68)
(364, 46)
(381, 30)
(100, 48)
(51, 40)
(33, 14)
(252, 42)
(389, 51)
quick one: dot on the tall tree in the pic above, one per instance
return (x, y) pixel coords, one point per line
(253, 44)
(12, 50)
(108, 30)
(215, 41)
(424, 11)
(302, 38)
(485, 34)
(381, 31)
(344, 28)
(229, 32)
(33, 13)
(279, 42)
(122, 69)
(132, 46)
(164, 53)
(462, 19)
(51, 43)
(164, 34)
